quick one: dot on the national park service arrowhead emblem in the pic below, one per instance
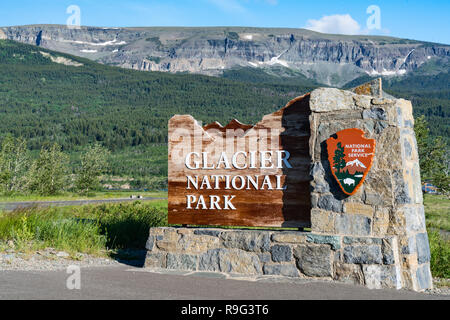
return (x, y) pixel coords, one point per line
(350, 156)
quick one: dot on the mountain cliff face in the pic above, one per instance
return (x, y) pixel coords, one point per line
(330, 59)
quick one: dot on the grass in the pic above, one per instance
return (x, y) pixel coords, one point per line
(437, 213)
(75, 196)
(92, 229)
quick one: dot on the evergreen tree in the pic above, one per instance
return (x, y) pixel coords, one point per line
(339, 161)
(433, 161)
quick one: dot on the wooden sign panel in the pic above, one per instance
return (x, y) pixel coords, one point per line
(241, 175)
(350, 156)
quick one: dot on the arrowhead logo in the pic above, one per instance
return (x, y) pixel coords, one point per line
(350, 156)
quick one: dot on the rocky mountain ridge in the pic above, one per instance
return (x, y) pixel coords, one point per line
(329, 59)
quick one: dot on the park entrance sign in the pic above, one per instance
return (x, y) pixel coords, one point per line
(343, 163)
(241, 175)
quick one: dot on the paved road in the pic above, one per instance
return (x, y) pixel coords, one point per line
(125, 282)
(26, 204)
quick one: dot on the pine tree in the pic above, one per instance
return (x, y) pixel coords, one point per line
(432, 156)
(339, 161)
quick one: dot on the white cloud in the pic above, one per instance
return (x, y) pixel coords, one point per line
(338, 23)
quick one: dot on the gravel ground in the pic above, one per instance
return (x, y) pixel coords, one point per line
(49, 260)
(53, 260)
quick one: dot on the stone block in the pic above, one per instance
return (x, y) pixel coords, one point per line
(348, 273)
(318, 182)
(230, 261)
(334, 241)
(322, 221)
(185, 231)
(374, 113)
(208, 232)
(348, 115)
(238, 261)
(353, 224)
(156, 231)
(289, 237)
(380, 126)
(329, 203)
(409, 261)
(181, 261)
(194, 244)
(209, 261)
(389, 250)
(402, 193)
(414, 218)
(369, 89)
(380, 223)
(379, 276)
(281, 253)
(404, 113)
(416, 183)
(264, 257)
(168, 246)
(388, 153)
(379, 184)
(257, 241)
(424, 278)
(372, 198)
(169, 235)
(358, 208)
(381, 101)
(363, 254)
(362, 240)
(155, 260)
(409, 246)
(314, 260)
(362, 101)
(423, 248)
(331, 99)
(287, 270)
(149, 245)
(407, 148)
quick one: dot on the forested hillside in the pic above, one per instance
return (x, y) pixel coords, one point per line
(48, 96)
(126, 111)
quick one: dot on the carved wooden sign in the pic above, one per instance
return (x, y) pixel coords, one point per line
(350, 156)
(241, 175)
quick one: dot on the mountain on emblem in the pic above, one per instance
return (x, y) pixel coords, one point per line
(350, 156)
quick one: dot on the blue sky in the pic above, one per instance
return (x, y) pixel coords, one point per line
(420, 20)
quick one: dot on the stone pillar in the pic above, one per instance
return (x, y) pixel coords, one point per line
(387, 213)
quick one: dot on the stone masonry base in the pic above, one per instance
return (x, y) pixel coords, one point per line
(368, 261)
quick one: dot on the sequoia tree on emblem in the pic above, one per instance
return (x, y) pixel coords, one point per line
(350, 156)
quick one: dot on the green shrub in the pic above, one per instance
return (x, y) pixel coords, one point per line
(440, 255)
(126, 225)
(34, 228)
(89, 229)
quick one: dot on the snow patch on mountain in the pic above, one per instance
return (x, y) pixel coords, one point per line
(355, 163)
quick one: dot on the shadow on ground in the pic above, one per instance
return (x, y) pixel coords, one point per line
(130, 257)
